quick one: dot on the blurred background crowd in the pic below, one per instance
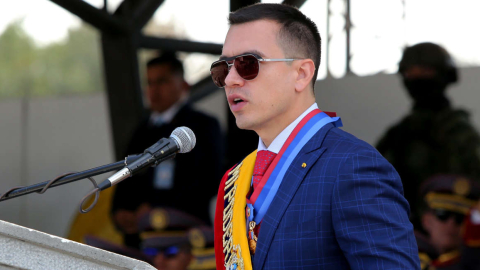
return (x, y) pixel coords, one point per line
(86, 83)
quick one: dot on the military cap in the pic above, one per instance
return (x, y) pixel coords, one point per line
(165, 239)
(164, 227)
(171, 231)
(202, 239)
(431, 55)
(167, 219)
(450, 192)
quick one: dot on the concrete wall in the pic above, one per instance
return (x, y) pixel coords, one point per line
(62, 134)
(65, 134)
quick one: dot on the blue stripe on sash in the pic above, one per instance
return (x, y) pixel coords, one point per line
(265, 198)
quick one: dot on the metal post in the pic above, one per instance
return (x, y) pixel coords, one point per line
(348, 26)
(123, 88)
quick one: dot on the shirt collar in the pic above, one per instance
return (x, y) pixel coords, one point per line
(281, 138)
(167, 116)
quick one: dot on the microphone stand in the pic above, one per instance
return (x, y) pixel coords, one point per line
(17, 192)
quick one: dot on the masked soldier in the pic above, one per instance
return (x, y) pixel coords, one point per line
(434, 138)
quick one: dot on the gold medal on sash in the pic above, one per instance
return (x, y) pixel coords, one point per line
(252, 238)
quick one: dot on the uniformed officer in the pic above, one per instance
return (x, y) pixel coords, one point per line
(170, 240)
(449, 237)
(175, 240)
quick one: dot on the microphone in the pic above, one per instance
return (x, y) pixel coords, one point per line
(182, 140)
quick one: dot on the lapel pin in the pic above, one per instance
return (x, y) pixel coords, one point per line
(304, 165)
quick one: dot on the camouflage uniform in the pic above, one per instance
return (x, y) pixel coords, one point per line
(426, 143)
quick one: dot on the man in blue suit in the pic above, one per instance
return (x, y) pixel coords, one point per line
(312, 196)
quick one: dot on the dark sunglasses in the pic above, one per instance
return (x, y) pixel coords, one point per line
(168, 252)
(444, 215)
(246, 65)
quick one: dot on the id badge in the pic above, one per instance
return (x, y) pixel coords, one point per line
(164, 173)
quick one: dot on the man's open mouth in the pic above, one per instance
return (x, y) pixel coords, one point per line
(237, 100)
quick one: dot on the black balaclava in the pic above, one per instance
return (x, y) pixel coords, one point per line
(427, 93)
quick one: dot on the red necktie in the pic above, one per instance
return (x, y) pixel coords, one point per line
(264, 159)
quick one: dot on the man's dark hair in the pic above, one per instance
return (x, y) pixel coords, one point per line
(167, 59)
(298, 35)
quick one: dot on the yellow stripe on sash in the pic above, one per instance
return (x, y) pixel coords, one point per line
(239, 233)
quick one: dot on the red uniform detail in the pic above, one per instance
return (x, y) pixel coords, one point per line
(218, 223)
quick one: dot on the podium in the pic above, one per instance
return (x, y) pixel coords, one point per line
(24, 248)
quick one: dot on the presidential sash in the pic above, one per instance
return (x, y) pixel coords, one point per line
(231, 246)
(231, 223)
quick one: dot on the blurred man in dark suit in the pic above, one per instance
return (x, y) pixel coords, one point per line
(189, 181)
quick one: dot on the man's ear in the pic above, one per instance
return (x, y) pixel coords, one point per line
(305, 71)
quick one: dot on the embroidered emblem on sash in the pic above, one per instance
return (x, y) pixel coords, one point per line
(233, 256)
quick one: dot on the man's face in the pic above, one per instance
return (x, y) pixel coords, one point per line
(419, 72)
(177, 262)
(265, 100)
(444, 234)
(164, 87)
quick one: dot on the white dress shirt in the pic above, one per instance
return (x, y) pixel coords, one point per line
(278, 142)
(165, 117)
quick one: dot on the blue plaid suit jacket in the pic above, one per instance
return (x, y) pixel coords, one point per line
(344, 210)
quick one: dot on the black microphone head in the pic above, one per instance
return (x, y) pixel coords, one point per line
(185, 139)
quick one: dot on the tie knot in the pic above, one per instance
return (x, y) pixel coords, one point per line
(263, 161)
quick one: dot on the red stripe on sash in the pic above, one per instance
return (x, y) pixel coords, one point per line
(218, 223)
(331, 114)
(269, 171)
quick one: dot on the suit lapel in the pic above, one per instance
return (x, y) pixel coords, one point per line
(309, 154)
